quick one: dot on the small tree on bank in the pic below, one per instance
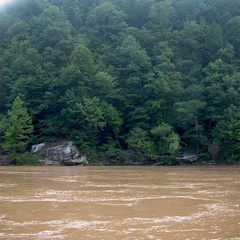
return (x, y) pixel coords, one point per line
(19, 126)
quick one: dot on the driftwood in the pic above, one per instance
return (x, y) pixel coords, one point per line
(188, 158)
(185, 158)
(191, 158)
(180, 160)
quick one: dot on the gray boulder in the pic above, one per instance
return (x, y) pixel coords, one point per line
(59, 153)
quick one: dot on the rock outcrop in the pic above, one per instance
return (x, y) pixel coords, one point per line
(59, 153)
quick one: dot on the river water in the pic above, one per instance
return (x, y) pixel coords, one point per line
(120, 203)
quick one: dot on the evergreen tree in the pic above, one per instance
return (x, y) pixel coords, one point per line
(19, 126)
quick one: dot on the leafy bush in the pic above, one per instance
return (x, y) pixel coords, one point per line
(25, 159)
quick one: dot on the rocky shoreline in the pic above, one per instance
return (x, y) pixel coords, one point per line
(64, 153)
(56, 153)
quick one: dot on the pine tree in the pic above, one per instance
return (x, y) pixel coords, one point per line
(19, 128)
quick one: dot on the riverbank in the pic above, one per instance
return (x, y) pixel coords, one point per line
(5, 160)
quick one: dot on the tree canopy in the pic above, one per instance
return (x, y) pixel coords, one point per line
(123, 79)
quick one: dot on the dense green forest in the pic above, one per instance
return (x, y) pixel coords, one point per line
(125, 80)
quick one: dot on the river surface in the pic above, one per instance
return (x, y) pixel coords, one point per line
(120, 203)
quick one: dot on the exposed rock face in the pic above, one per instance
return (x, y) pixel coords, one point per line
(59, 153)
(37, 147)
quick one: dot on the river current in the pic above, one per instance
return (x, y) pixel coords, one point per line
(120, 203)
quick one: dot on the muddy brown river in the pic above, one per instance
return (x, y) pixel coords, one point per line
(120, 203)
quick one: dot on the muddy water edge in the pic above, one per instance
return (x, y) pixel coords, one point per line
(120, 203)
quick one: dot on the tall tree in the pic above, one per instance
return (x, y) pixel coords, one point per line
(188, 114)
(19, 126)
(132, 63)
(233, 33)
(161, 18)
(105, 24)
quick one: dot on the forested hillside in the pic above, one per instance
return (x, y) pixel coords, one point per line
(126, 80)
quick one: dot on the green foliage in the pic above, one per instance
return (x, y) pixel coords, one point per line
(19, 126)
(133, 78)
(228, 133)
(25, 159)
(91, 114)
(82, 57)
(105, 23)
(112, 153)
(52, 29)
(189, 117)
(131, 58)
(137, 139)
(233, 32)
(161, 142)
(161, 15)
(142, 146)
(189, 111)
(166, 140)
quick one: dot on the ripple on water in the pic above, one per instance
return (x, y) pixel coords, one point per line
(8, 185)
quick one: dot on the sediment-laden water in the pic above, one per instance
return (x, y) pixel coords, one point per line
(120, 203)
